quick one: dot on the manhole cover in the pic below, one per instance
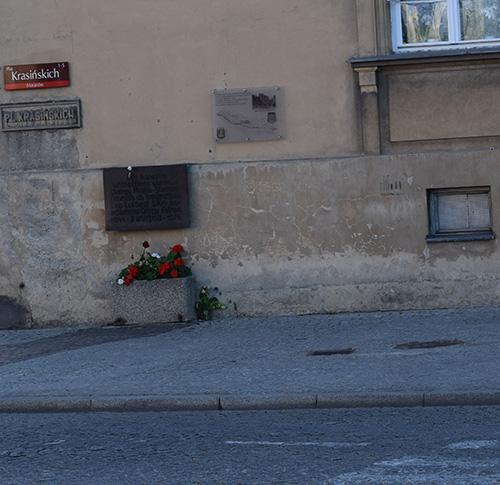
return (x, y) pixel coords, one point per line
(332, 352)
(428, 345)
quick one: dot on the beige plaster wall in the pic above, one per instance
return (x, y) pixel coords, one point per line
(279, 237)
(449, 103)
(145, 73)
(328, 235)
(302, 225)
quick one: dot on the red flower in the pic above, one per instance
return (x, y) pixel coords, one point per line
(177, 248)
(145, 244)
(178, 262)
(162, 269)
(133, 271)
(127, 280)
(169, 265)
(174, 273)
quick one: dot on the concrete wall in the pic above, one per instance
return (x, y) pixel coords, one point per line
(302, 225)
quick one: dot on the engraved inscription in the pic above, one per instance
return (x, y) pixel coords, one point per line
(225, 99)
(146, 198)
(40, 116)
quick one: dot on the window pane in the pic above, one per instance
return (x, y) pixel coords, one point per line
(480, 19)
(479, 211)
(424, 22)
(459, 214)
(452, 212)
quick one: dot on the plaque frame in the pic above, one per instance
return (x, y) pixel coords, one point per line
(146, 197)
(53, 115)
(246, 115)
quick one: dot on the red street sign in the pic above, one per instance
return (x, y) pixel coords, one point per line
(34, 76)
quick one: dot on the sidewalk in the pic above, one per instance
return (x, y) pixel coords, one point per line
(256, 363)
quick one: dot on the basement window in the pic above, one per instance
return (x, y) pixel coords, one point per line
(459, 214)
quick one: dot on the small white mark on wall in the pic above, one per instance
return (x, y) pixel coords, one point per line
(99, 239)
(93, 225)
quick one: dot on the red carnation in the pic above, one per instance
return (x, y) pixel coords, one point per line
(162, 269)
(169, 265)
(133, 271)
(174, 273)
(178, 262)
(177, 248)
(145, 244)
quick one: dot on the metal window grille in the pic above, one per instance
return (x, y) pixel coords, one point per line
(460, 214)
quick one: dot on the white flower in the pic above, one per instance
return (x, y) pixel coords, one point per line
(120, 281)
(156, 255)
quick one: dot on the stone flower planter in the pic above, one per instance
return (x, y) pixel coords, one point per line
(157, 301)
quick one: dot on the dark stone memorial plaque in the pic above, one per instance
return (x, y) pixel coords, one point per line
(139, 198)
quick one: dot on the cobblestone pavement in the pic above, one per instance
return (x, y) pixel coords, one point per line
(38, 345)
(374, 354)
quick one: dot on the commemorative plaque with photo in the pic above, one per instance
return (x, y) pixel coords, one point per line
(140, 198)
(250, 114)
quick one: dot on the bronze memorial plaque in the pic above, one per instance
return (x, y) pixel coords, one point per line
(250, 114)
(139, 198)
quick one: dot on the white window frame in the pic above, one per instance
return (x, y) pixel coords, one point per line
(454, 31)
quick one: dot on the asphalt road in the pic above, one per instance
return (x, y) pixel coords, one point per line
(440, 445)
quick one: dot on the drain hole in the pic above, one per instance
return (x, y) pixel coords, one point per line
(332, 352)
(428, 345)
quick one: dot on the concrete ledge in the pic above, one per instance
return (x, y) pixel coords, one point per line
(267, 402)
(156, 404)
(462, 399)
(370, 401)
(240, 403)
(46, 406)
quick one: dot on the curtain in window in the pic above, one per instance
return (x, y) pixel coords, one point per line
(424, 22)
(480, 19)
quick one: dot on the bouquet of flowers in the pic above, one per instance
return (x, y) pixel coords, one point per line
(152, 266)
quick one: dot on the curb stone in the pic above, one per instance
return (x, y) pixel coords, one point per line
(248, 403)
(268, 402)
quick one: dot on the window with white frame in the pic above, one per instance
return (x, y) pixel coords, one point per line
(459, 214)
(434, 24)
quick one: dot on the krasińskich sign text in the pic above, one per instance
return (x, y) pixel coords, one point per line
(35, 76)
(41, 116)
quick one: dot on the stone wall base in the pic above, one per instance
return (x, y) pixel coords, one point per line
(368, 297)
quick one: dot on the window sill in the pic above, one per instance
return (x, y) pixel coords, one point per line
(474, 54)
(460, 237)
